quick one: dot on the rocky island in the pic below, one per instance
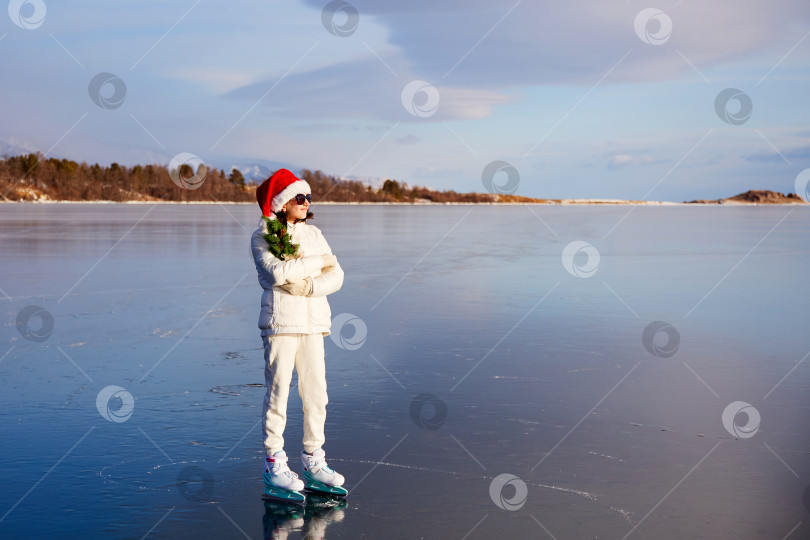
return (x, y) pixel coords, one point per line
(755, 197)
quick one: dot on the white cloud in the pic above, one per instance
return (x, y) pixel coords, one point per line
(476, 43)
(360, 90)
(215, 80)
(466, 103)
(625, 160)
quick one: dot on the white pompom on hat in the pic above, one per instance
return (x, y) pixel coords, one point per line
(274, 192)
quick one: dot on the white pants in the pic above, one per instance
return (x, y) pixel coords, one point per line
(282, 353)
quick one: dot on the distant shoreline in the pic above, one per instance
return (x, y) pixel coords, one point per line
(35, 178)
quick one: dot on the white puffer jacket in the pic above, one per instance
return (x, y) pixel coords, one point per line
(281, 312)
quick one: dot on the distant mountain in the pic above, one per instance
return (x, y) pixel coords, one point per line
(256, 171)
(252, 173)
(16, 148)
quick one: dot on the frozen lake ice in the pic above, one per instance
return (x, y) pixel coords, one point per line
(494, 371)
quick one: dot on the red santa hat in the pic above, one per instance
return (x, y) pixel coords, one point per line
(278, 189)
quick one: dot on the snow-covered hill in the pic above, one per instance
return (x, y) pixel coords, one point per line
(15, 148)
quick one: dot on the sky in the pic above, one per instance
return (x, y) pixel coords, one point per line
(672, 100)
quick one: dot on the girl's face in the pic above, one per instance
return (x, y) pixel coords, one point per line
(296, 211)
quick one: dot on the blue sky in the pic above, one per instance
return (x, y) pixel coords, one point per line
(584, 99)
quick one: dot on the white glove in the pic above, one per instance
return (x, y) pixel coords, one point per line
(299, 287)
(329, 262)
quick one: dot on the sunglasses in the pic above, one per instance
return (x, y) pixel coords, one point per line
(300, 198)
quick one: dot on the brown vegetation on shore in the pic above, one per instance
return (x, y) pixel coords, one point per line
(32, 177)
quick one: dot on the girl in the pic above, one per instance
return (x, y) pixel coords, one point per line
(296, 270)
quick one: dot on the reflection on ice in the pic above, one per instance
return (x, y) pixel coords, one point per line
(311, 520)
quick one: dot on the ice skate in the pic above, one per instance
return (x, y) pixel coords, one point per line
(280, 483)
(319, 477)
